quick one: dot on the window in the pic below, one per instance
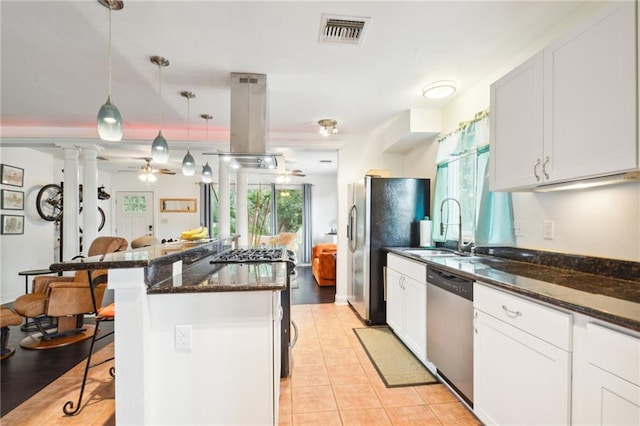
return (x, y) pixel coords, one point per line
(461, 184)
(487, 217)
(282, 211)
(134, 204)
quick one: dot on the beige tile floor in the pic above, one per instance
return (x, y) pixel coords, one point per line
(333, 383)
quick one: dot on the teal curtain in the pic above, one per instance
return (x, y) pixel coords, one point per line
(494, 225)
(441, 190)
(493, 211)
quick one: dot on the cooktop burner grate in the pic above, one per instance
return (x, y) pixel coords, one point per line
(252, 255)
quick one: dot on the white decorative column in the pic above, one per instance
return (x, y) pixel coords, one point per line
(242, 210)
(89, 196)
(224, 201)
(71, 204)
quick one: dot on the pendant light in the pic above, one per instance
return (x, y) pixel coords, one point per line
(160, 147)
(188, 163)
(207, 173)
(109, 119)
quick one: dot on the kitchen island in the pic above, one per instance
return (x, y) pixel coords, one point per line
(195, 342)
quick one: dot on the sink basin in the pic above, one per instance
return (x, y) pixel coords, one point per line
(429, 252)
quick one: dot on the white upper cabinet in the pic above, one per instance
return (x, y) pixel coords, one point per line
(516, 127)
(570, 112)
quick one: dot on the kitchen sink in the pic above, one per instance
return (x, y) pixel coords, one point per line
(430, 252)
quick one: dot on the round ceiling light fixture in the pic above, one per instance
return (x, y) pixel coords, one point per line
(439, 89)
(328, 126)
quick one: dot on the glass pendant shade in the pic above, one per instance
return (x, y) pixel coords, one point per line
(110, 122)
(160, 149)
(188, 165)
(207, 173)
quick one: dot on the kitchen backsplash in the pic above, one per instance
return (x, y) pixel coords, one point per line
(621, 269)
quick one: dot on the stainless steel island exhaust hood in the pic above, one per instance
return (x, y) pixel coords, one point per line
(249, 124)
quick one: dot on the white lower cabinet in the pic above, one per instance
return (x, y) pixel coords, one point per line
(606, 376)
(522, 360)
(407, 303)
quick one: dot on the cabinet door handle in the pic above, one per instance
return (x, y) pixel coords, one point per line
(535, 170)
(510, 313)
(544, 167)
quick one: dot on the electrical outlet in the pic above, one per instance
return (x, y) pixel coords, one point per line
(547, 230)
(517, 228)
(183, 337)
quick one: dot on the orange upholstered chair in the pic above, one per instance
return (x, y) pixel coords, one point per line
(323, 263)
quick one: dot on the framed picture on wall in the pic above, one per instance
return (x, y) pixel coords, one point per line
(12, 224)
(12, 200)
(11, 175)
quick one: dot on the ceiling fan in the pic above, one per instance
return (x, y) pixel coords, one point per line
(147, 172)
(296, 172)
(286, 176)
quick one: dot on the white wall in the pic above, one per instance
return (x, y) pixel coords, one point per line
(35, 248)
(324, 211)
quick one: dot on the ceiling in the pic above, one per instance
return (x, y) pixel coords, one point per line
(55, 69)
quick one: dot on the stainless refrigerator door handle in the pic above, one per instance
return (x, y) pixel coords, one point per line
(295, 337)
(353, 238)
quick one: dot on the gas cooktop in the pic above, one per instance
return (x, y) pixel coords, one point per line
(258, 254)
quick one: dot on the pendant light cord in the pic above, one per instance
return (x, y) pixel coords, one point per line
(188, 125)
(109, 52)
(160, 92)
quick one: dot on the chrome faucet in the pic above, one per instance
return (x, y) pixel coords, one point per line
(459, 221)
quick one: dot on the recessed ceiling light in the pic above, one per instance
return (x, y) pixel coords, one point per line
(439, 89)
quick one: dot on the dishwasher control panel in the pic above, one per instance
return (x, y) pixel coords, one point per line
(453, 283)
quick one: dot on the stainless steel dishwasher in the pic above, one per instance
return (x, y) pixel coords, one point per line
(450, 329)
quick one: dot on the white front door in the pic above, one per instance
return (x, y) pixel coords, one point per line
(134, 214)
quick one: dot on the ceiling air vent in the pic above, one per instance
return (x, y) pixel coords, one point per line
(343, 29)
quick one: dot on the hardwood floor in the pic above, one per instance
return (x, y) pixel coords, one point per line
(305, 289)
(28, 371)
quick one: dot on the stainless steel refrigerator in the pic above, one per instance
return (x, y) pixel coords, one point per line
(383, 212)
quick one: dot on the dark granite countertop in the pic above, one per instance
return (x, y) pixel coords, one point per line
(197, 274)
(207, 277)
(610, 299)
(144, 257)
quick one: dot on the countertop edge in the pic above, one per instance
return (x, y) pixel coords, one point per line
(622, 321)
